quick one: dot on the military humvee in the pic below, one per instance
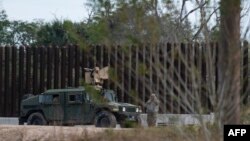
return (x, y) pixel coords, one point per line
(75, 106)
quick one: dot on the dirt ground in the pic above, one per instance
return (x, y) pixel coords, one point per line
(47, 133)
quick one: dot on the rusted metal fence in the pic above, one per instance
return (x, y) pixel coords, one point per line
(135, 72)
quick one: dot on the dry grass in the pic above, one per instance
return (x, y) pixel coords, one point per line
(50, 133)
(173, 133)
(45, 133)
(245, 114)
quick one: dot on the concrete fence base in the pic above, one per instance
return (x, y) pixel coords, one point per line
(179, 119)
(9, 120)
(162, 119)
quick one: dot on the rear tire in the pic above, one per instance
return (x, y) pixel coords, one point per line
(36, 119)
(105, 119)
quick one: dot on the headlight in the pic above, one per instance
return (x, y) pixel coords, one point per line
(140, 109)
(137, 110)
(123, 109)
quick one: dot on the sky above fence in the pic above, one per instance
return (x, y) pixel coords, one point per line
(75, 10)
(46, 10)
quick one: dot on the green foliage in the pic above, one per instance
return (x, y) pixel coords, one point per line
(113, 75)
(22, 33)
(95, 94)
(129, 124)
(134, 95)
(4, 23)
(53, 34)
(136, 21)
(16, 32)
(76, 33)
(123, 22)
(97, 32)
(142, 69)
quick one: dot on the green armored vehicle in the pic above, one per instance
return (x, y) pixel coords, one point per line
(75, 106)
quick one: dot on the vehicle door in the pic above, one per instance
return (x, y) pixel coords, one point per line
(88, 108)
(53, 106)
(74, 109)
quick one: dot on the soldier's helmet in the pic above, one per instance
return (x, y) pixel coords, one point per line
(97, 68)
(153, 96)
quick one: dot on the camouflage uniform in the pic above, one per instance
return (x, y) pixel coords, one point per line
(152, 107)
(96, 76)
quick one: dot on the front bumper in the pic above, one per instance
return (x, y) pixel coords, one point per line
(127, 116)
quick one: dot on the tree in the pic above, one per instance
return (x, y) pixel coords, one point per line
(21, 33)
(4, 23)
(229, 58)
(131, 21)
(16, 32)
(52, 34)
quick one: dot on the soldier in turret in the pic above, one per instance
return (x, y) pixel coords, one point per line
(97, 77)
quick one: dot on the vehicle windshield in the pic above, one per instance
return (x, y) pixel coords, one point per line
(87, 96)
(110, 96)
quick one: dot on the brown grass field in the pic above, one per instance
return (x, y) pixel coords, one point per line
(90, 133)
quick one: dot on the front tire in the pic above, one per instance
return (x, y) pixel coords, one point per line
(105, 119)
(36, 119)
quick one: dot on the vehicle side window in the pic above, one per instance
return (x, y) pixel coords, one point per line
(75, 98)
(56, 99)
(49, 99)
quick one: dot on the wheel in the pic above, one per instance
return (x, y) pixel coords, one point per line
(36, 119)
(105, 119)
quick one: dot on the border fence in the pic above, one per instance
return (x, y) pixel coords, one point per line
(135, 72)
